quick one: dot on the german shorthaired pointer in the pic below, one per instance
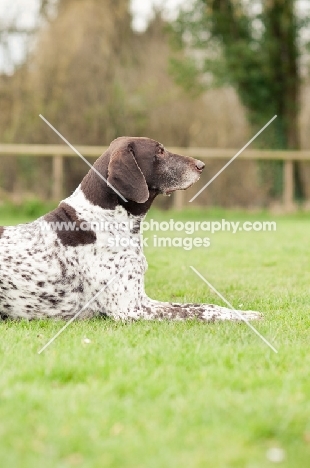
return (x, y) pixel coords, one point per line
(54, 272)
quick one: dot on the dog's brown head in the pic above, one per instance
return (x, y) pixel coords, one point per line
(138, 169)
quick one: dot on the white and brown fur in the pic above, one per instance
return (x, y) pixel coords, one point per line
(55, 273)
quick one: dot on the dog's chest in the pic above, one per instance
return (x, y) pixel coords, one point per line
(40, 276)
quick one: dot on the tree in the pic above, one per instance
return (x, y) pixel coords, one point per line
(94, 79)
(255, 48)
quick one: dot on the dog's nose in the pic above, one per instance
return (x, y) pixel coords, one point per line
(199, 165)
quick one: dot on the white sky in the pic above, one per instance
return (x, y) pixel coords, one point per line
(24, 10)
(142, 10)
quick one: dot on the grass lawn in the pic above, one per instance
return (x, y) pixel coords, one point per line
(165, 395)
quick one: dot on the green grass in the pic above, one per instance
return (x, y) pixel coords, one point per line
(29, 210)
(157, 395)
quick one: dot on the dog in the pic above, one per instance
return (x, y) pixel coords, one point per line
(50, 271)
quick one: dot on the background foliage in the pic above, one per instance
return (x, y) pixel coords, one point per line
(209, 78)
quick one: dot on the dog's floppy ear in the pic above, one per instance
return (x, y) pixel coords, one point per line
(125, 175)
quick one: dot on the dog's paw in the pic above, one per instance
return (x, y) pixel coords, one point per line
(249, 315)
(216, 313)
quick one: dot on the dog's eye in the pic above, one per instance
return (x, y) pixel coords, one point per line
(159, 152)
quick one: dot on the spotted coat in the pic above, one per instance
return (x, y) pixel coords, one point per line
(48, 271)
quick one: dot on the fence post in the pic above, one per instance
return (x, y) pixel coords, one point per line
(288, 178)
(178, 199)
(57, 190)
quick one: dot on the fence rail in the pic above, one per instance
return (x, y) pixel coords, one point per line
(59, 152)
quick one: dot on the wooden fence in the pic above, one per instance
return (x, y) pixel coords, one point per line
(59, 152)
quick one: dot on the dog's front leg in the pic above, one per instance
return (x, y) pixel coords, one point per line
(156, 310)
